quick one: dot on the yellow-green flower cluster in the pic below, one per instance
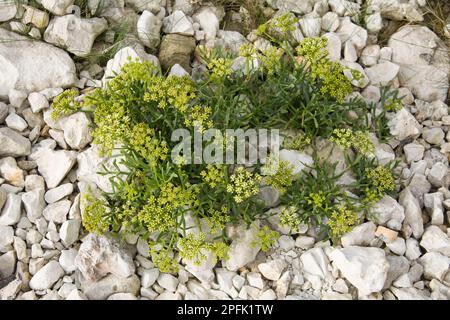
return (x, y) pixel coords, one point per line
(271, 60)
(314, 50)
(265, 238)
(172, 91)
(134, 72)
(194, 248)
(341, 221)
(289, 218)
(278, 173)
(114, 104)
(160, 212)
(247, 50)
(142, 139)
(284, 23)
(113, 125)
(317, 199)
(381, 182)
(95, 215)
(299, 142)
(218, 219)
(343, 138)
(155, 217)
(243, 184)
(213, 175)
(65, 104)
(363, 143)
(360, 140)
(220, 68)
(220, 249)
(329, 74)
(199, 118)
(393, 105)
(164, 260)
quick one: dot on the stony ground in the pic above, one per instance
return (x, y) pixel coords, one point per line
(401, 252)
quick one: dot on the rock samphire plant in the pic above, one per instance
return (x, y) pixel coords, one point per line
(185, 210)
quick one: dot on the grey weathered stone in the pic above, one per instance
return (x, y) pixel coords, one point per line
(54, 165)
(69, 232)
(13, 144)
(178, 23)
(99, 256)
(11, 212)
(423, 62)
(46, 276)
(435, 240)
(361, 235)
(365, 268)
(403, 125)
(435, 265)
(273, 269)
(77, 130)
(242, 249)
(149, 28)
(38, 66)
(57, 212)
(105, 287)
(75, 34)
(387, 212)
(413, 212)
(315, 262)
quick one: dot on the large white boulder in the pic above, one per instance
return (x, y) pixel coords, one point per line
(424, 62)
(32, 66)
(413, 212)
(243, 248)
(58, 7)
(54, 165)
(365, 268)
(99, 256)
(75, 34)
(149, 29)
(8, 10)
(435, 240)
(47, 276)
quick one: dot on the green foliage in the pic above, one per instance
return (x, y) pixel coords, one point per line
(298, 142)
(243, 184)
(341, 221)
(313, 196)
(374, 180)
(346, 138)
(265, 238)
(330, 74)
(289, 218)
(194, 248)
(65, 104)
(278, 174)
(95, 218)
(185, 209)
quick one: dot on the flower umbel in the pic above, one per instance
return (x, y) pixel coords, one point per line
(329, 74)
(220, 68)
(213, 175)
(65, 104)
(278, 173)
(289, 218)
(243, 184)
(342, 220)
(265, 238)
(381, 181)
(360, 140)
